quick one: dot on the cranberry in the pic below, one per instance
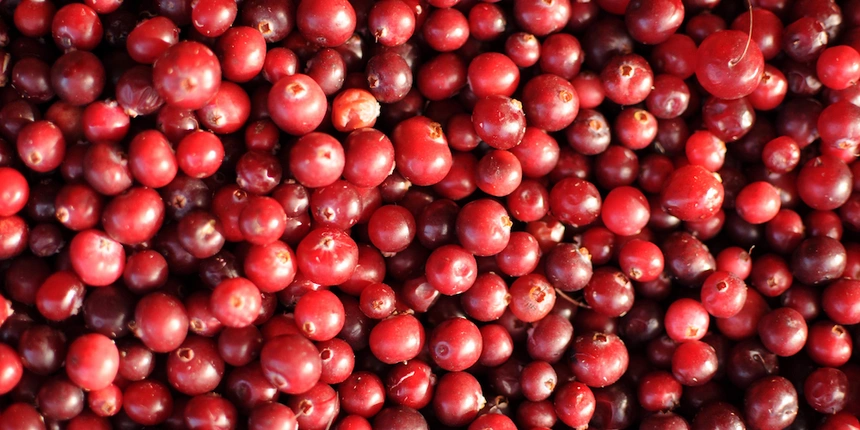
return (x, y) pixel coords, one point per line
(771, 401)
(160, 321)
(151, 38)
(327, 25)
(291, 363)
(187, 75)
(92, 361)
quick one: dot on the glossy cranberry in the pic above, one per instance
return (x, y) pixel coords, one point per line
(96, 258)
(541, 18)
(825, 390)
(391, 22)
(41, 349)
(151, 38)
(147, 402)
(327, 25)
(15, 194)
(692, 193)
(723, 294)
(187, 75)
(458, 400)
(160, 321)
(272, 415)
(236, 302)
(391, 348)
(327, 256)
(389, 77)
(694, 363)
(33, 17)
(60, 399)
(829, 344)
(242, 52)
(13, 369)
(291, 363)
(76, 26)
(549, 102)
(653, 22)
(209, 411)
(134, 216)
(771, 402)
(659, 391)
(195, 367)
(92, 361)
(598, 359)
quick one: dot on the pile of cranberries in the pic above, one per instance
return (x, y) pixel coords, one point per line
(429, 214)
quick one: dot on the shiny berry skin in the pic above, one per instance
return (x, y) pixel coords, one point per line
(609, 292)
(76, 26)
(236, 302)
(195, 367)
(152, 160)
(241, 64)
(270, 267)
(627, 79)
(33, 17)
(771, 403)
(397, 338)
(391, 22)
(659, 391)
(840, 301)
(625, 211)
(574, 403)
(319, 315)
(541, 18)
(148, 402)
(727, 66)
(783, 331)
(825, 390)
(451, 269)
(13, 369)
(598, 359)
(641, 261)
(328, 25)
(686, 319)
(291, 363)
(499, 121)
(41, 146)
(134, 216)
(459, 398)
(92, 361)
(262, 221)
(653, 22)
(213, 18)
(160, 321)
(297, 104)
(187, 75)
(151, 38)
(455, 344)
(15, 193)
(327, 256)
(692, 193)
(492, 74)
(421, 151)
(694, 363)
(838, 67)
(96, 258)
(549, 102)
(575, 201)
(723, 294)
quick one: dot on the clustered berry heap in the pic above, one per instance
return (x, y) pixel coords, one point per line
(429, 214)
